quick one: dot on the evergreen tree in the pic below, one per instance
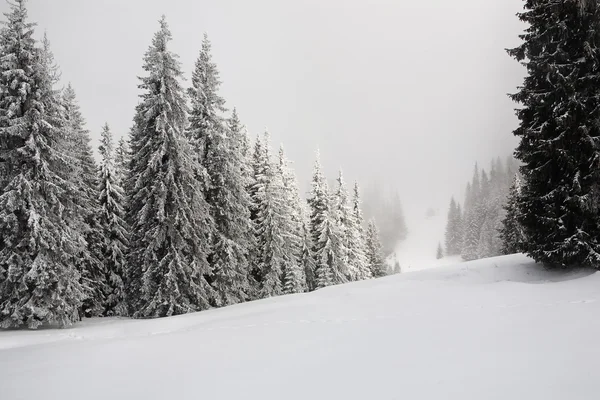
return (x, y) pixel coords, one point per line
(358, 255)
(39, 283)
(473, 218)
(511, 231)
(453, 231)
(559, 131)
(294, 280)
(345, 227)
(85, 179)
(121, 161)
(374, 251)
(114, 229)
(440, 252)
(269, 223)
(325, 235)
(219, 149)
(168, 215)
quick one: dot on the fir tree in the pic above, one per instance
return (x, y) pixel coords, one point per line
(268, 209)
(85, 180)
(559, 131)
(169, 218)
(294, 280)
(440, 252)
(453, 229)
(358, 245)
(345, 227)
(472, 220)
(325, 235)
(374, 251)
(39, 283)
(121, 161)
(511, 231)
(114, 228)
(219, 148)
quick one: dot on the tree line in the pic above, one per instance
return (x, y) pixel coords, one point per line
(474, 229)
(185, 214)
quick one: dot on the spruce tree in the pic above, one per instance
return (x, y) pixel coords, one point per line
(511, 231)
(121, 161)
(219, 148)
(324, 231)
(374, 251)
(453, 231)
(345, 227)
(39, 242)
(294, 280)
(358, 245)
(559, 131)
(440, 252)
(269, 230)
(472, 220)
(85, 179)
(169, 218)
(113, 226)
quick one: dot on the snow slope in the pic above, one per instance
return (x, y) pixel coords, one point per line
(418, 251)
(500, 328)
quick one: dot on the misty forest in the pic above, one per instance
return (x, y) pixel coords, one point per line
(378, 241)
(187, 212)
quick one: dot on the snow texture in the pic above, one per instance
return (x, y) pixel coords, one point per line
(497, 328)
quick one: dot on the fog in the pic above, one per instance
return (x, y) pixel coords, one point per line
(409, 93)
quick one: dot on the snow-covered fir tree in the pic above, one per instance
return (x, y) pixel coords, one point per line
(113, 228)
(511, 231)
(293, 275)
(269, 223)
(472, 218)
(168, 215)
(453, 229)
(219, 148)
(358, 255)
(559, 132)
(375, 258)
(39, 242)
(85, 179)
(324, 231)
(121, 161)
(440, 252)
(345, 227)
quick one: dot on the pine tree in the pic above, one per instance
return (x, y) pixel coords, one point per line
(114, 228)
(121, 161)
(345, 227)
(39, 283)
(167, 213)
(440, 252)
(85, 180)
(294, 280)
(358, 245)
(219, 149)
(324, 231)
(472, 220)
(269, 230)
(511, 231)
(453, 231)
(374, 251)
(559, 131)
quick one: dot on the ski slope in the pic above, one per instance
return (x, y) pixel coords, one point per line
(500, 328)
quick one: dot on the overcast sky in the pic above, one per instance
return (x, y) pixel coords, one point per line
(411, 93)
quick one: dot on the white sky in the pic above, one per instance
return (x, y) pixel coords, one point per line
(408, 92)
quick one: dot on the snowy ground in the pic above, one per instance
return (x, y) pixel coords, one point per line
(418, 251)
(500, 328)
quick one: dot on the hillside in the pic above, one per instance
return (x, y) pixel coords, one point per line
(493, 329)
